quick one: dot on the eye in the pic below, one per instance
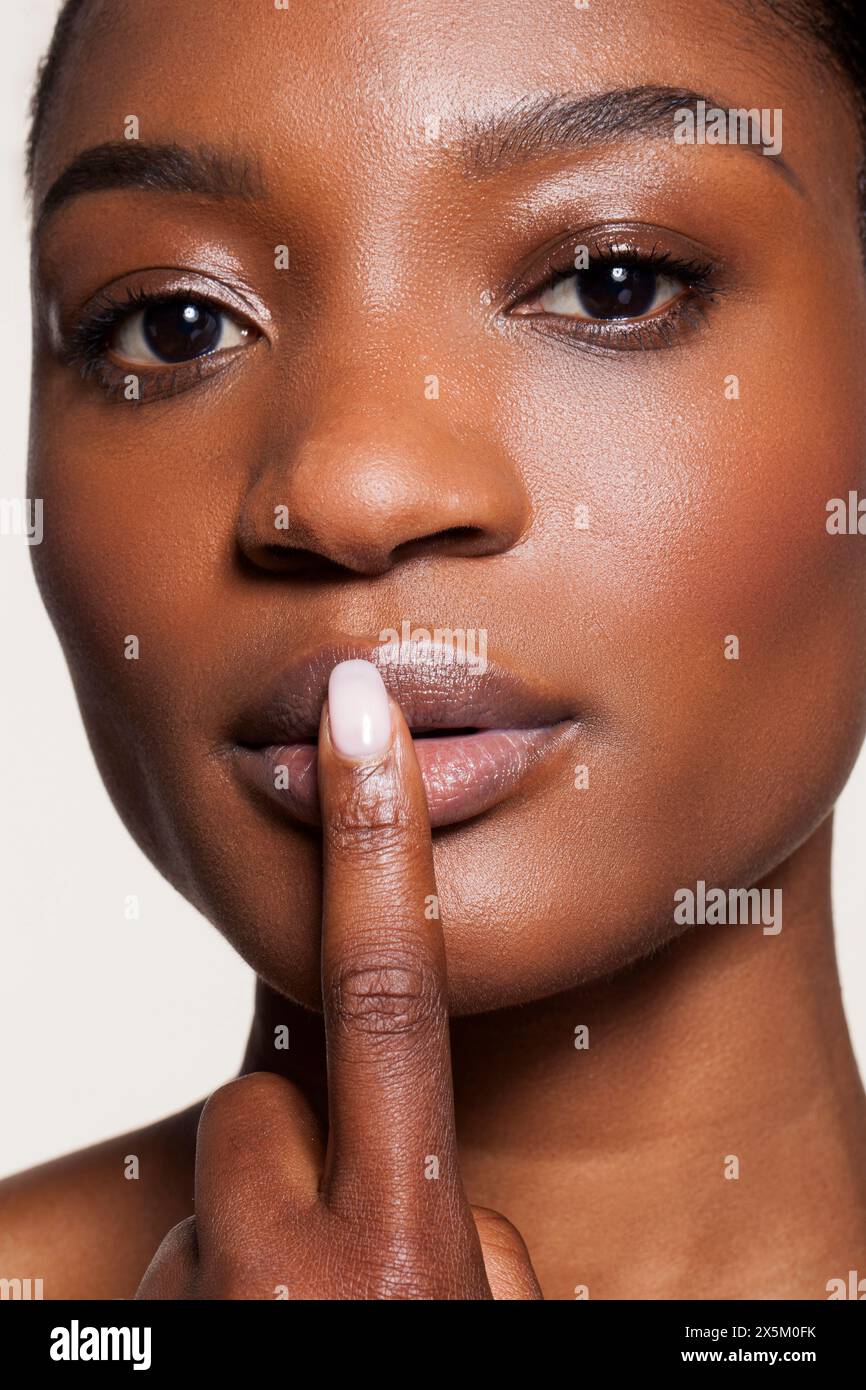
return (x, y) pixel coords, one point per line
(176, 330)
(605, 290)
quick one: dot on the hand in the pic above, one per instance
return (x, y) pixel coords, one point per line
(367, 1219)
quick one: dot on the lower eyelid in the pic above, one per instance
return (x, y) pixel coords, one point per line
(155, 383)
(671, 326)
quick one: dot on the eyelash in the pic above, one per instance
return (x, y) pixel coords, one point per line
(87, 346)
(664, 328)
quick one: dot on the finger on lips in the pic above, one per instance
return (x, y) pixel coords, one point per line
(383, 957)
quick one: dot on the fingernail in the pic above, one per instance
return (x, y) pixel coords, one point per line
(358, 711)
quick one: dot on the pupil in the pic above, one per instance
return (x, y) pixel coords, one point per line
(177, 329)
(620, 291)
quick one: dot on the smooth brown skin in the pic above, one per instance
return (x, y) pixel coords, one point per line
(708, 518)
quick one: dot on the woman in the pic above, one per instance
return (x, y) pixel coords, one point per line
(438, 433)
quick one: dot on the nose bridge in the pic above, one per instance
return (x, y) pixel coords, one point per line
(366, 478)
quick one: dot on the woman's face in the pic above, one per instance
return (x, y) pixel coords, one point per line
(414, 415)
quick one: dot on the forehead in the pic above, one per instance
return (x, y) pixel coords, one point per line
(356, 93)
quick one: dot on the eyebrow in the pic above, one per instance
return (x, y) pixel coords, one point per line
(531, 129)
(549, 125)
(165, 168)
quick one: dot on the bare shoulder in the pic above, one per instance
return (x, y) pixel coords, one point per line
(88, 1224)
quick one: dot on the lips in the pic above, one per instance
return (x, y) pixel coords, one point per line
(478, 730)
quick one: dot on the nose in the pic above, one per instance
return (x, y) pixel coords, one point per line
(367, 487)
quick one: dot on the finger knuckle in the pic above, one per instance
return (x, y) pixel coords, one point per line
(233, 1101)
(181, 1242)
(173, 1270)
(388, 996)
(496, 1231)
(368, 820)
(362, 842)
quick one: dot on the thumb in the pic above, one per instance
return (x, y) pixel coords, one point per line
(506, 1259)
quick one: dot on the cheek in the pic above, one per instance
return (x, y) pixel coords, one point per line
(705, 522)
(706, 600)
(129, 569)
(764, 610)
(134, 544)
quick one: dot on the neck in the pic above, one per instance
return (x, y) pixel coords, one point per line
(725, 1052)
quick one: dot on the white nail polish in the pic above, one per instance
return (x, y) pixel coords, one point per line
(358, 710)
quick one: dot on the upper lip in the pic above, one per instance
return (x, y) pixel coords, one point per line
(436, 689)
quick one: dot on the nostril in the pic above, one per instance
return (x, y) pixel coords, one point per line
(465, 540)
(291, 561)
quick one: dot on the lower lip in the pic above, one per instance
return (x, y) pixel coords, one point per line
(463, 776)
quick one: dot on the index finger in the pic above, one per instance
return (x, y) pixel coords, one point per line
(383, 959)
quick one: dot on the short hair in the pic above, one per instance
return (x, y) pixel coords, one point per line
(46, 76)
